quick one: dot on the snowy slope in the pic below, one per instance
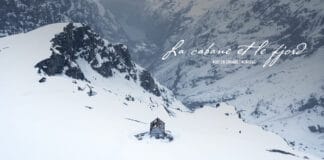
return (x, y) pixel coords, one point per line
(54, 120)
(31, 54)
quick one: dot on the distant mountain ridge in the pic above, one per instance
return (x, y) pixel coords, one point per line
(286, 98)
(19, 16)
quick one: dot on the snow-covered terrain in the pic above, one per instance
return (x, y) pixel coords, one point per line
(57, 120)
(32, 53)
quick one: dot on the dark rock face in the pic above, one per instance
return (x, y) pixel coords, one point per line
(76, 43)
(316, 129)
(75, 73)
(53, 65)
(312, 128)
(311, 103)
(148, 83)
(80, 43)
(18, 16)
(42, 80)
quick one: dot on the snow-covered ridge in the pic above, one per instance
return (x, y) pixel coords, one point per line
(132, 89)
(79, 52)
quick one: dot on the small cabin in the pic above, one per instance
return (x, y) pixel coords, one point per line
(157, 128)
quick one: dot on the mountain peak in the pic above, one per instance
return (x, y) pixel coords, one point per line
(80, 42)
(81, 54)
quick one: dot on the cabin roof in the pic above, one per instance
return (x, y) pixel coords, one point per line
(157, 120)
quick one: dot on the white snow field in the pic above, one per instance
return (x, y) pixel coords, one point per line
(56, 121)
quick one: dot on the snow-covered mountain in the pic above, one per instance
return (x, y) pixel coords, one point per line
(287, 98)
(76, 51)
(19, 16)
(48, 113)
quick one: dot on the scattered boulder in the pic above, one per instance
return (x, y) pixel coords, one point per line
(312, 128)
(316, 129)
(88, 107)
(129, 98)
(42, 80)
(80, 89)
(91, 93)
(311, 103)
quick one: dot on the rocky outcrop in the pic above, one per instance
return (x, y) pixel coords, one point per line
(79, 43)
